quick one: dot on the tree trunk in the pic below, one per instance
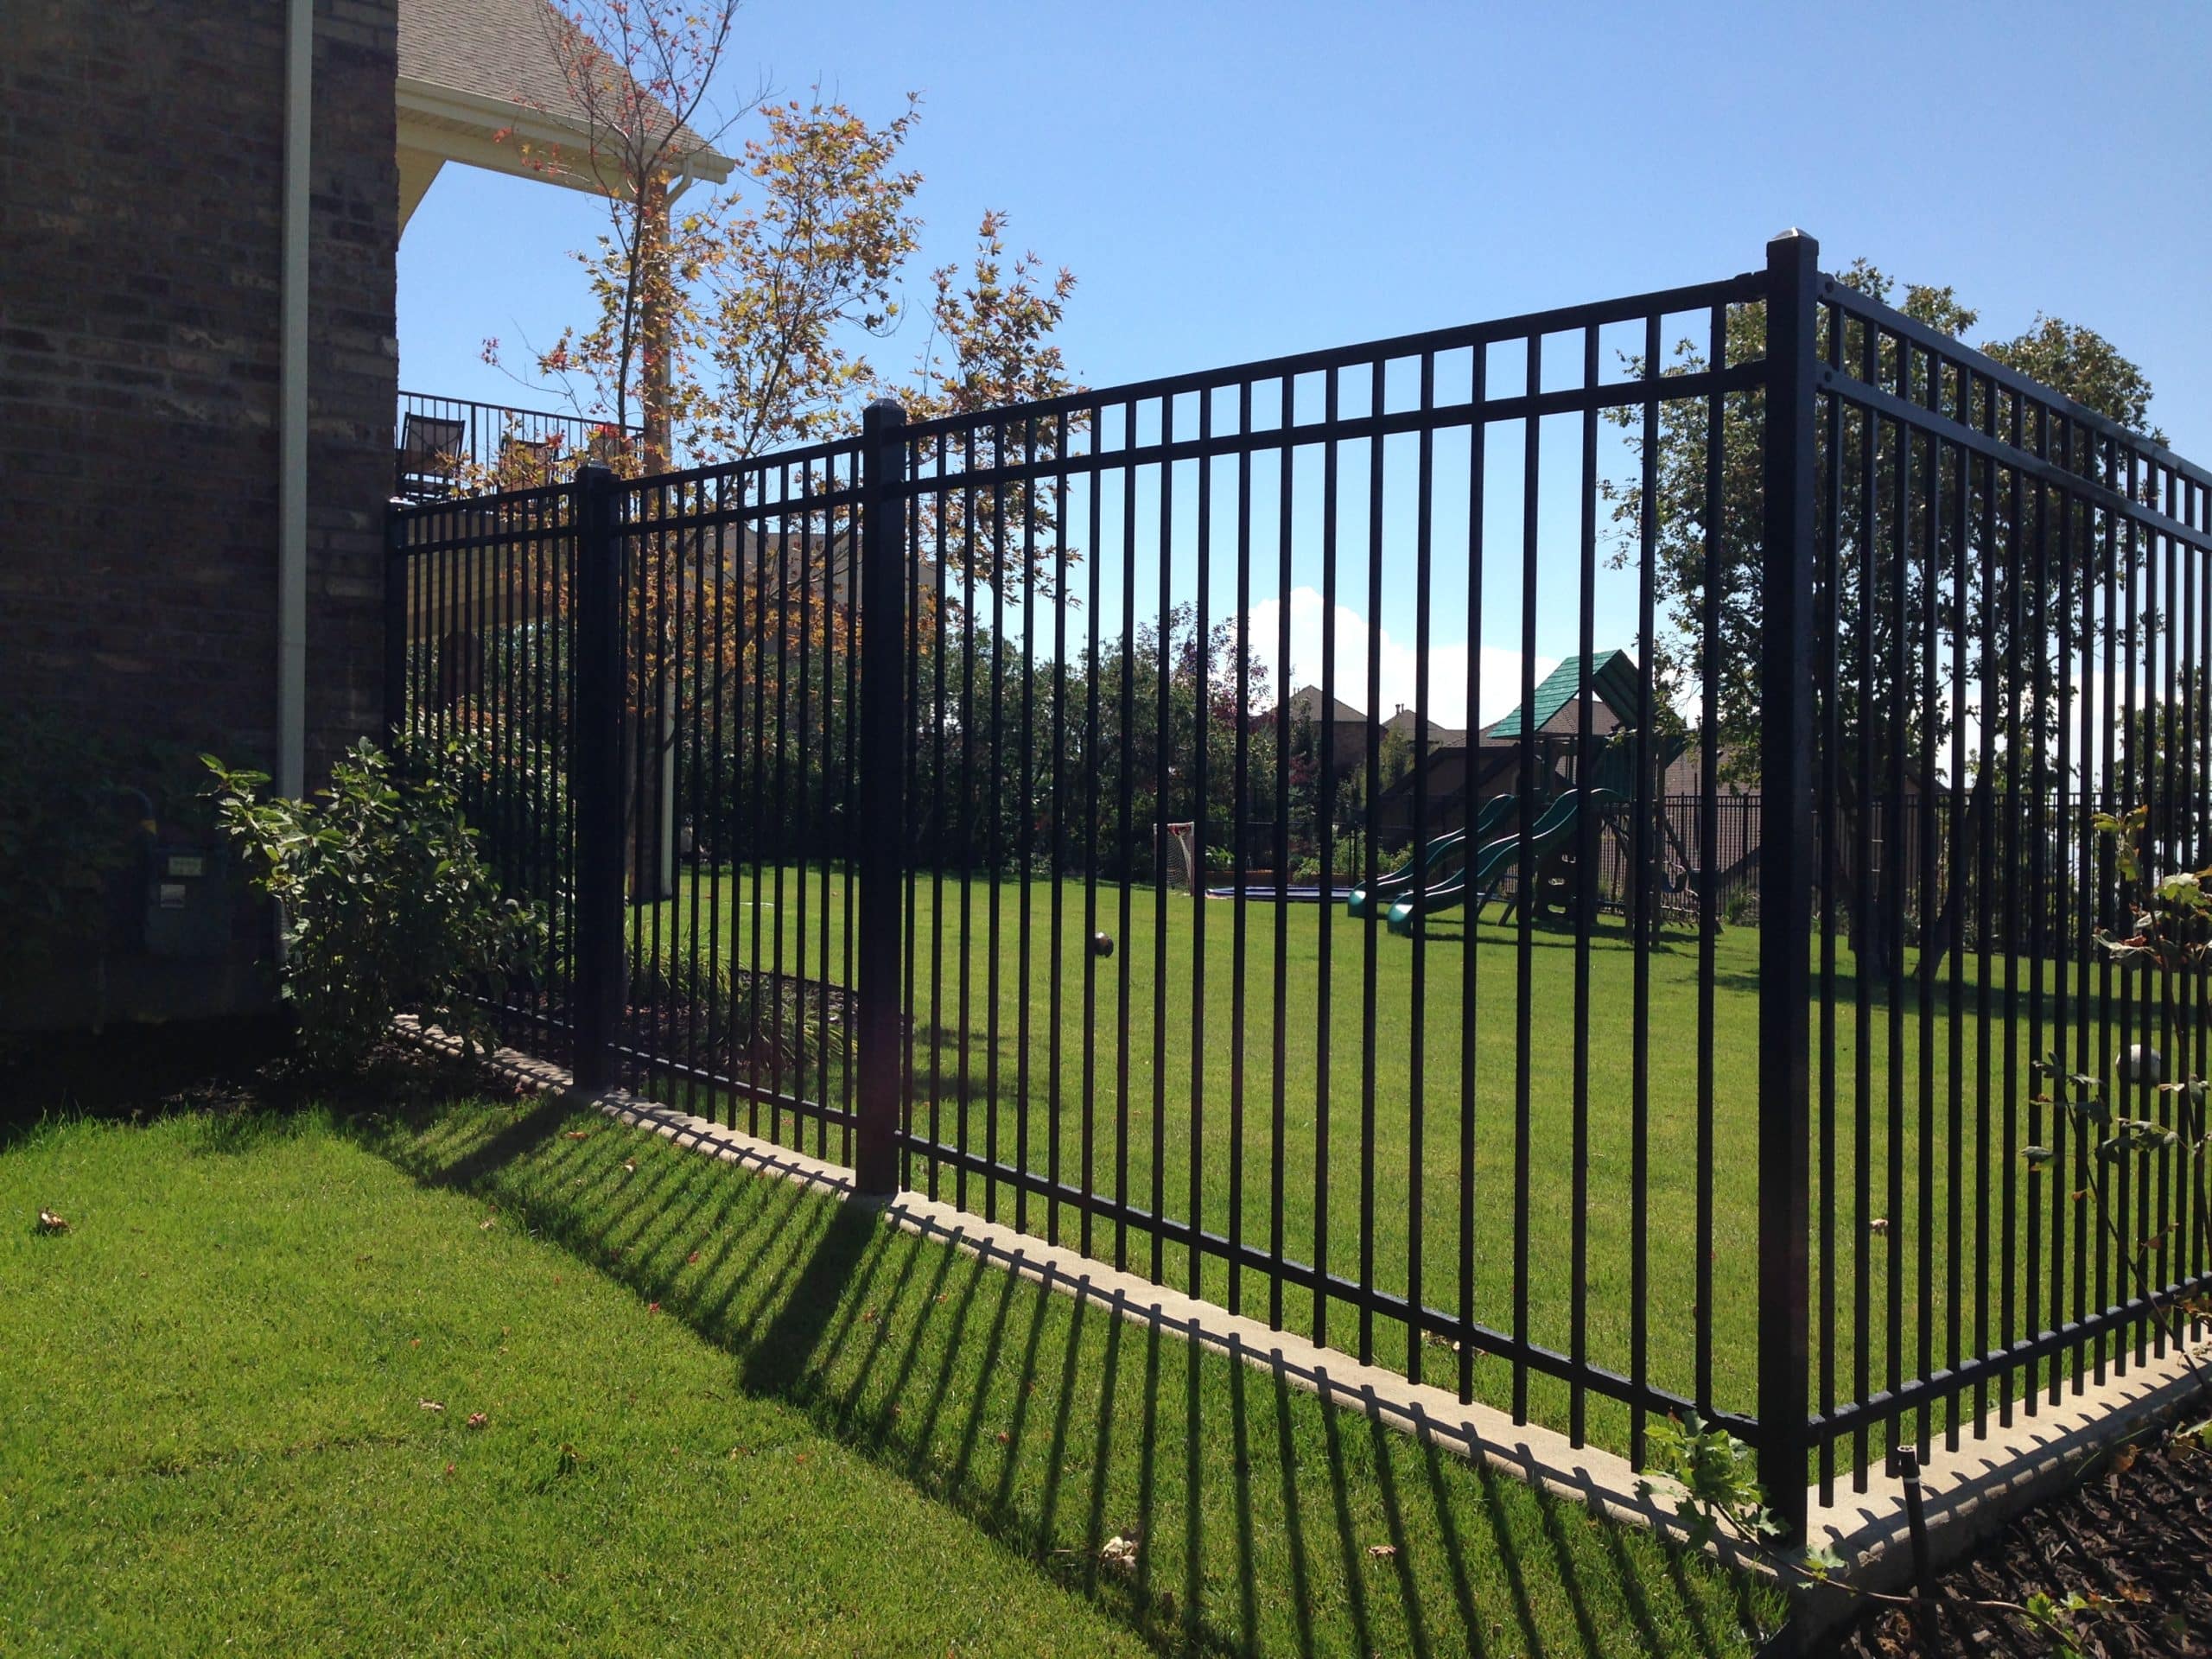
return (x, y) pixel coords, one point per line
(654, 326)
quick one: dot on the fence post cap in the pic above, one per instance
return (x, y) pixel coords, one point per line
(885, 411)
(594, 470)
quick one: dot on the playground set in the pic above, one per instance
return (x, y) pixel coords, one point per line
(1524, 849)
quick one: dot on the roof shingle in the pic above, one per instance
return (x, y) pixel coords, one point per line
(504, 50)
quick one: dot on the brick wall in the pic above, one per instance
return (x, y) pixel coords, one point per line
(141, 213)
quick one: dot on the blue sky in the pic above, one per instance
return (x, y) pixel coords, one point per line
(1232, 182)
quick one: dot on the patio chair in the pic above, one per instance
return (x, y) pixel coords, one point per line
(430, 456)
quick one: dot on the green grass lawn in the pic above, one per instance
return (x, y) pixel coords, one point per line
(718, 1413)
(985, 1075)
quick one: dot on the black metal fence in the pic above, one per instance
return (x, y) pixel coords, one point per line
(1615, 1101)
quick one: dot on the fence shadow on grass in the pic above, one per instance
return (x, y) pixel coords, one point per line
(1214, 1506)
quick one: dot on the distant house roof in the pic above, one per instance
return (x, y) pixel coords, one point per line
(1406, 723)
(1613, 677)
(1306, 703)
(481, 81)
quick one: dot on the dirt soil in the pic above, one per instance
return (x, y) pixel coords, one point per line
(2136, 1537)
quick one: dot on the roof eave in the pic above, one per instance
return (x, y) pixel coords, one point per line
(490, 116)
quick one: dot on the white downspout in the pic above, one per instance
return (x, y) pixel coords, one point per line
(292, 414)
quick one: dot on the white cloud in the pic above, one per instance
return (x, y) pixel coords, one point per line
(1498, 670)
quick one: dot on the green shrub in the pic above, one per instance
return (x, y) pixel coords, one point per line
(388, 906)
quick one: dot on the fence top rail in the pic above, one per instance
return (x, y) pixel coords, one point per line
(657, 487)
(775, 460)
(475, 516)
(1850, 303)
(1696, 296)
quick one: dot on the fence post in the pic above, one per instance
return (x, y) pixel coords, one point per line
(596, 775)
(395, 628)
(882, 792)
(1785, 876)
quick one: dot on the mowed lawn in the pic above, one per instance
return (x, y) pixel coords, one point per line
(1239, 1136)
(500, 1376)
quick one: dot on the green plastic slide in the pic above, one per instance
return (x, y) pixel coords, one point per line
(1492, 863)
(1389, 887)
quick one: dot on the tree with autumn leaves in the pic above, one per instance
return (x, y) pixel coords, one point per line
(748, 320)
(741, 320)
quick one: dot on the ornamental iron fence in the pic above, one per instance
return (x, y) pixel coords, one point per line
(1000, 805)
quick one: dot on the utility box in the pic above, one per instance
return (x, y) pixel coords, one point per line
(188, 900)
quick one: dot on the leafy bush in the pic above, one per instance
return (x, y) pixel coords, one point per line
(388, 906)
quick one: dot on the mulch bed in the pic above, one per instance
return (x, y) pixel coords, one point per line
(2137, 1533)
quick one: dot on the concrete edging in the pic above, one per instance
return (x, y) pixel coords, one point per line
(1968, 1493)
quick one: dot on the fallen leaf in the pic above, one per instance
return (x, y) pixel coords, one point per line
(579, 1135)
(414, 1342)
(869, 1318)
(486, 1224)
(694, 1256)
(1119, 1555)
(478, 1419)
(631, 1165)
(1878, 1224)
(430, 1405)
(652, 1307)
(1382, 1552)
(448, 1472)
(1004, 1437)
(801, 1458)
(50, 1223)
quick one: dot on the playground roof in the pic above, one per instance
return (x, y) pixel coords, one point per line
(1612, 677)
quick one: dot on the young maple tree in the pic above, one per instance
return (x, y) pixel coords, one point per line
(737, 322)
(740, 323)
(640, 72)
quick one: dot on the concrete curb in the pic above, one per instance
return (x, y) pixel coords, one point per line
(1969, 1493)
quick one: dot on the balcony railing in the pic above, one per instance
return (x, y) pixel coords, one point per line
(446, 446)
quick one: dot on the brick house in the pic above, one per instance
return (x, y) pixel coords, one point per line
(201, 210)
